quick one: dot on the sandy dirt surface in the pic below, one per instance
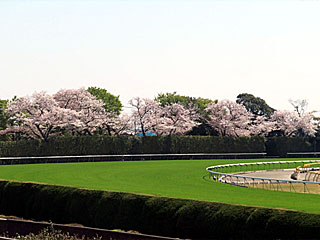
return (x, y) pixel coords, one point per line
(276, 174)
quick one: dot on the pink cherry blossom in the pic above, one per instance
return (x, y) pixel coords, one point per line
(37, 116)
(176, 119)
(149, 115)
(145, 115)
(91, 114)
(229, 118)
(290, 123)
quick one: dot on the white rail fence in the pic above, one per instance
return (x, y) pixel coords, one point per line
(237, 174)
(126, 157)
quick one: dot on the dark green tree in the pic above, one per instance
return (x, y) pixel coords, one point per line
(112, 103)
(255, 105)
(170, 98)
(3, 116)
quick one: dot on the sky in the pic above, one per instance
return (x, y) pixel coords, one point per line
(199, 48)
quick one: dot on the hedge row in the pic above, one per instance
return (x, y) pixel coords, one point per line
(90, 145)
(280, 146)
(152, 214)
(93, 145)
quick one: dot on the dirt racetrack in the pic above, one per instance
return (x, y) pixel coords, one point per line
(275, 174)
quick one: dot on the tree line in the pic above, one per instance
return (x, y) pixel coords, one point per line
(95, 111)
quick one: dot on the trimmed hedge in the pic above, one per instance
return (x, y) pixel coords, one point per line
(280, 146)
(90, 145)
(152, 214)
(208, 144)
(108, 145)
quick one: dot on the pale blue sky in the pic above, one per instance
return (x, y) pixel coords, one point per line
(212, 49)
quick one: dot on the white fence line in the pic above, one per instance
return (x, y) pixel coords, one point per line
(219, 173)
(141, 155)
(123, 157)
(303, 153)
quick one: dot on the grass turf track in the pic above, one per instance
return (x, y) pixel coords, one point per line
(180, 179)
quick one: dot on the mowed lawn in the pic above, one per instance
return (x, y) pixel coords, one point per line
(178, 179)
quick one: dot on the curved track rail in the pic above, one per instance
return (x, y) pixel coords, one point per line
(236, 174)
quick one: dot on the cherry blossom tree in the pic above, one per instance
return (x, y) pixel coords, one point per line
(300, 106)
(42, 115)
(291, 124)
(146, 114)
(177, 119)
(261, 126)
(149, 115)
(121, 125)
(307, 124)
(38, 116)
(91, 113)
(229, 118)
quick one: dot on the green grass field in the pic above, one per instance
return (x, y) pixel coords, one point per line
(179, 179)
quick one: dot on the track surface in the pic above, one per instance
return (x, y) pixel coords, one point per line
(275, 174)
